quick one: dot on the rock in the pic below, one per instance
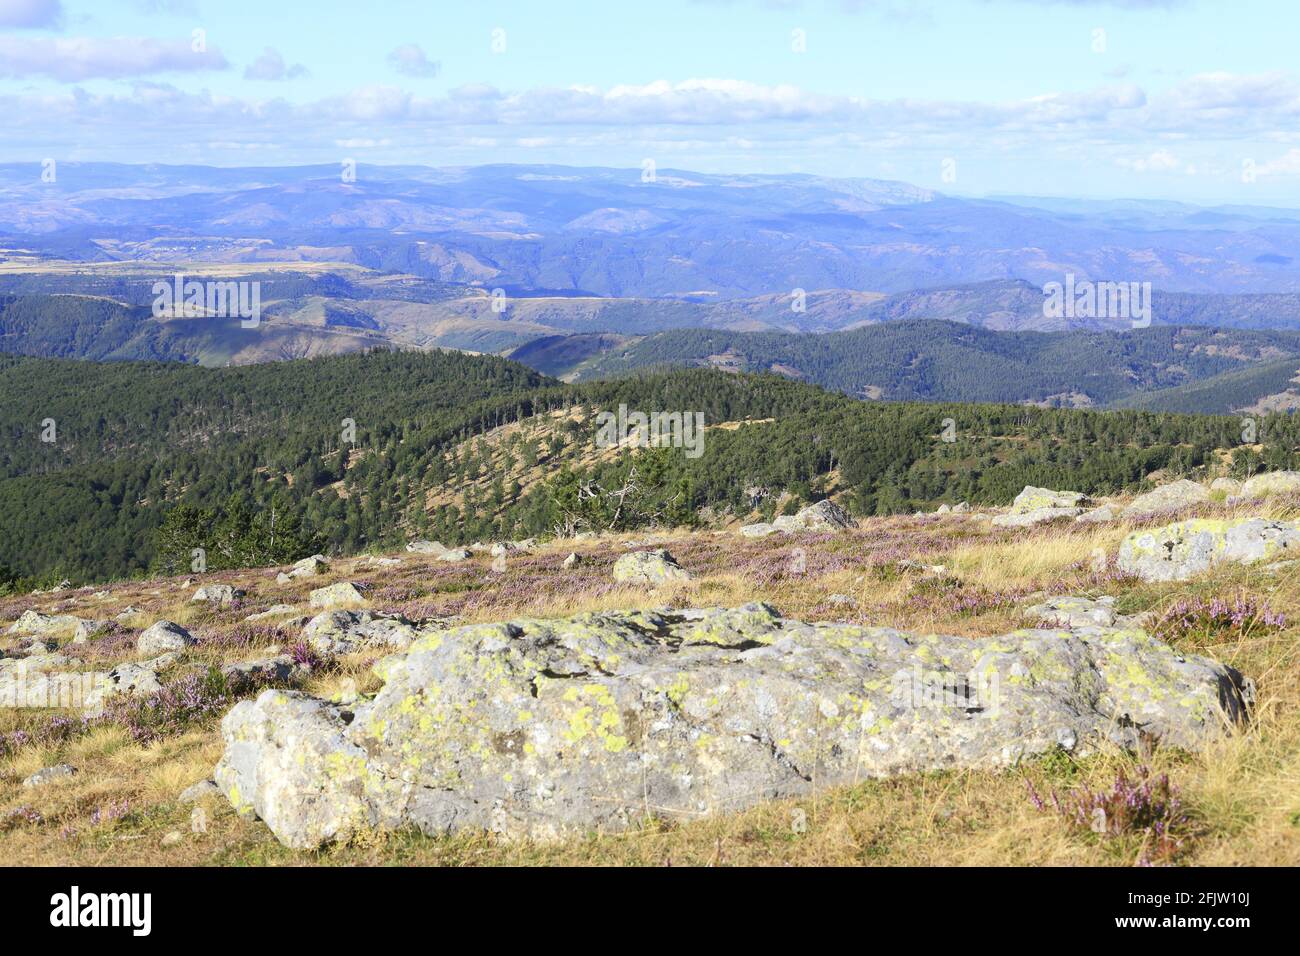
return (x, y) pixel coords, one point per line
(649, 567)
(275, 610)
(1098, 515)
(841, 600)
(342, 594)
(825, 515)
(1229, 486)
(572, 561)
(88, 629)
(502, 548)
(34, 622)
(316, 564)
(244, 676)
(220, 594)
(460, 554)
(199, 791)
(377, 562)
(543, 728)
(135, 680)
(161, 637)
(58, 772)
(172, 838)
(1024, 519)
(127, 612)
(1271, 483)
(961, 508)
(1178, 551)
(426, 547)
(1074, 612)
(760, 530)
(1171, 497)
(345, 632)
(1035, 499)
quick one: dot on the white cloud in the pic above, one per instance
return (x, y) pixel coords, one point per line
(73, 59)
(270, 66)
(1161, 161)
(411, 60)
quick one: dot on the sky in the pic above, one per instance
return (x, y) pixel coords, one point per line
(1193, 100)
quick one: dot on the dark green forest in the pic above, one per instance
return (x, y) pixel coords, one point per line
(344, 448)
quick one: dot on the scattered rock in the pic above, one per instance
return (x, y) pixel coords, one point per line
(307, 567)
(1178, 551)
(34, 622)
(246, 675)
(1271, 483)
(1171, 497)
(172, 838)
(1077, 612)
(572, 561)
(1230, 486)
(199, 791)
(1098, 515)
(1033, 499)
(459, 554)
(127, 612)
(841, 600)
(425, 547)
(220, 594)
(162, 637)
(342, 594)
(649, 567)
(275, 610)
(58, 772)
(89, 629)
(961, 508)
(345, 632)
(1024, 519)
(760, 530)
(544, 728)
(825, 515)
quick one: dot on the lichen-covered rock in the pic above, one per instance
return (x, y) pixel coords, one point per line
(1178, 551)
(1098, 515)
(197, 792)
(1170, 497)
(458, 554)
(546, 727)
(54, 774)
(345, 632)
(34, 622)
(161, 638)
(760, 530)
(1023, 519)
(425, 547)
(1071, 612)
(220, 594)
(275, 610)
(86, 630)
(246, 675)
(825, 515)
(342, 594)
(649, 567)
(1271, 483)
(1035, 499)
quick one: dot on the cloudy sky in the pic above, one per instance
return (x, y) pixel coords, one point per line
(1182, 99)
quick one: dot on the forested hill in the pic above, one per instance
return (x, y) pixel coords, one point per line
(470, 447)
(946, 361)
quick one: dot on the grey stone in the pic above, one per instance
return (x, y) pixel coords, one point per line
(220, 594)
(1271, 483)
(1181, 550)
(1171, 497)
(425, 547)
(161, 637)
(199, 791)
(459, 554)
(58, 773)
(342, 594)
(1098, 515)
(34, 622)
(1033, 499)
(759, 530)
(649, 567)
(1024, 519)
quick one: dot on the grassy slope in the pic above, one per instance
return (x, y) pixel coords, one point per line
(1240, 795)
(1221, 394)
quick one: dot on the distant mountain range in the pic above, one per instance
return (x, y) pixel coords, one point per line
(620, 233)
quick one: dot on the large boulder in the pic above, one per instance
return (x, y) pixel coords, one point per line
(1181, 550)
(546, 727)
(1271, 483)
(342, 594)
(425, 547)
(161, 638)
(1171, 497)
(1035, 499)
(649, 567)
(345, 632)
(825, 515)
(34, 622)
(219, 594)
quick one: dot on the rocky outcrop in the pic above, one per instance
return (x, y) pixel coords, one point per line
(548, 727)
(1271, 483)
(1024, 519)
(425, 547)
(825, 515)
(1171, 497)
(1038, 505)
(346, 632)
(649, 567)
(1181, 550)
(34, 622)
(307, 567)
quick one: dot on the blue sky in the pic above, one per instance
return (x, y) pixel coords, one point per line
(1183, 99)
